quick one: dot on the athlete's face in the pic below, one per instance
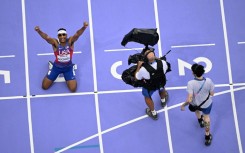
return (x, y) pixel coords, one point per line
(62, 37)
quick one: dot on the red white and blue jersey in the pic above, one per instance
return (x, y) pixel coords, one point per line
(63, 55)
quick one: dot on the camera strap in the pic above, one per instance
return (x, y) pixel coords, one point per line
(204, 101)
(201, 87)
(199, 106)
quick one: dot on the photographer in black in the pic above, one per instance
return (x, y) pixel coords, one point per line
(152, 71)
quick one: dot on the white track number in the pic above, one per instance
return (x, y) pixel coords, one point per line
(182, 65)
(114, 69)
(6, 76)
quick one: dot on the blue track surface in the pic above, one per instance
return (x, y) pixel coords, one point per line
(105, 115)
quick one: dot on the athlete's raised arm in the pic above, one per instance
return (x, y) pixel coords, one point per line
(79, 32)
(50, 40)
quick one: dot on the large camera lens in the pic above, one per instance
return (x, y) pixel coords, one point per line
(135, 58)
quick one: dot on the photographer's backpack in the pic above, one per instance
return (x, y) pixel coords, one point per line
(128, 77)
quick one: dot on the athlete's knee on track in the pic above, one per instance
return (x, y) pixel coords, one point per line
(46, 83)
(72, 85)
(73, 89)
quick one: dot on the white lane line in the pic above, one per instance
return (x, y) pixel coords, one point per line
(159, 44)
(27, 77)
(62, 94)
(7, 56)
(222, 9)
(160, 54)
(47, 54)
(239, 84)
(95, 76)
(241, 43)
(194, 45)
(12, 97)
(117, 50)
(108, 92)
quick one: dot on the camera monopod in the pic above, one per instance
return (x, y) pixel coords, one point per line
(164, 56)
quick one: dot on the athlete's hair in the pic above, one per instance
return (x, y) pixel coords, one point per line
(61, 29)
(197, 69)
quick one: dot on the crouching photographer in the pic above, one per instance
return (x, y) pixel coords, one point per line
(151, 71)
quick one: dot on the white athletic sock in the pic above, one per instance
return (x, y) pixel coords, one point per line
(163, 100)
(154, 112)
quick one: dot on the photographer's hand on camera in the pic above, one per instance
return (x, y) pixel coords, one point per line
(139, 64)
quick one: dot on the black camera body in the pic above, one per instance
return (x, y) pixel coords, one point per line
(138, 56)
(135, 58)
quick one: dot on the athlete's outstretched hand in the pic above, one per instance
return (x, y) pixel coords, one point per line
(37, 28)
(85, 24)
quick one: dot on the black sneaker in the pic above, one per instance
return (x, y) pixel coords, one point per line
(208, 139)
(163, 104)
(201, 122)
(149, 113)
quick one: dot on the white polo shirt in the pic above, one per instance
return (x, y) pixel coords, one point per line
(144, 74)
